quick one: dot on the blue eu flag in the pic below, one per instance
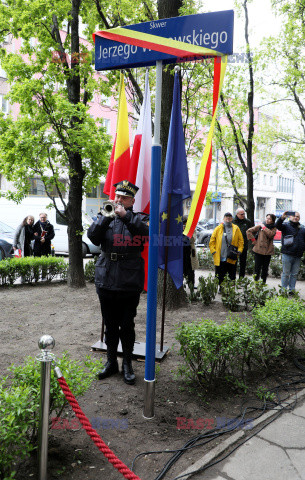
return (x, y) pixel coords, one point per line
(175, 189)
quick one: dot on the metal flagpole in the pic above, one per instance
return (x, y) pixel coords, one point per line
(149, 380)
(169, 202)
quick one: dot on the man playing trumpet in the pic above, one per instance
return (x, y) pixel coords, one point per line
(119, 274)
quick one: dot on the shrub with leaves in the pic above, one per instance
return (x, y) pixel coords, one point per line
(32, 269)
(244, 293)
(207, 289)
(19, 405)
(90, 270)
(215, 353)
(205, 259)
(279, 322)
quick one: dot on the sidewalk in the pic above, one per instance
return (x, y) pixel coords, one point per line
(276, 452)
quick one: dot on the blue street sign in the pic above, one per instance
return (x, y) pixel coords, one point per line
(216, 197)
(209, 30)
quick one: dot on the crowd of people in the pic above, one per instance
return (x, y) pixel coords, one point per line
(230, 241)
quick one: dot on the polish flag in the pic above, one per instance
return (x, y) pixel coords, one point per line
(119, 164)
(140, 166)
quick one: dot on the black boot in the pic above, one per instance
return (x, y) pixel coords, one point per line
(111, 366)
(129, 376)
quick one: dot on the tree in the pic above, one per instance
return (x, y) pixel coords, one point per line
(285, 54)
(53, 136)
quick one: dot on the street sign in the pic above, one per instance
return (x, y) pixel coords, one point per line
(209, 30)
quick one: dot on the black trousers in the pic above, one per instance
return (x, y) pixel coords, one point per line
(242, 263)
(261, 266)
(119, 310)
(223, 269)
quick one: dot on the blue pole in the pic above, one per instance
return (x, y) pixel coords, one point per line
(151, 319)
(149, 380)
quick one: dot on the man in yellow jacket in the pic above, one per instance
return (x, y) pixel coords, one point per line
(223, 237)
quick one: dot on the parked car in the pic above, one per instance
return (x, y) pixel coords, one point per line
(204, 233)
(6, 241)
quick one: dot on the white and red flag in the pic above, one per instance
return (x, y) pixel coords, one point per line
(140, 164)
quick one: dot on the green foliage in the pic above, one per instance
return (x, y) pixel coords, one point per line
(280, 321)
(90, 270)
(32, 269)
(265, 395)
(207, 289)
(250, 263)
(19, 405)
(205, 259)
(244, 293)
(276, 267)
(215, 353)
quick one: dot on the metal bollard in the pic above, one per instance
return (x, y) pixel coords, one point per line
(46, 343)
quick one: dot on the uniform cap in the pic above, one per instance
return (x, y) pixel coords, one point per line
(125, 188)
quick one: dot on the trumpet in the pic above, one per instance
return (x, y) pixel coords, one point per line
(108, 209)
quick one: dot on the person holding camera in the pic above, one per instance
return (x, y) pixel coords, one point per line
(226, 244)
(262, 238)
(293, 246)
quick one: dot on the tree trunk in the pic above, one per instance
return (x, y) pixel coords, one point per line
(166, 9)
(76, 277)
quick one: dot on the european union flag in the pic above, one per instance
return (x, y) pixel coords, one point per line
(175, 189)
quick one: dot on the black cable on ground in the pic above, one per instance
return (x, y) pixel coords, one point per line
(231, 426)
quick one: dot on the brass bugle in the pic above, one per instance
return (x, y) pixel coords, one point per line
(108, 209)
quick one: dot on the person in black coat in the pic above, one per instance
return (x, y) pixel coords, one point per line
(293, 246)
(119, 275)
(43, 234)
(244, 224)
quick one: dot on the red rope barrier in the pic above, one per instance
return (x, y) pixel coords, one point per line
(111, 457)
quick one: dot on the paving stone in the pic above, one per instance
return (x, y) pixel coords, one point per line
(298, 460)
(287, 431)
(258, 459)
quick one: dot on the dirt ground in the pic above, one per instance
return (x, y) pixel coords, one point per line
(73, 318)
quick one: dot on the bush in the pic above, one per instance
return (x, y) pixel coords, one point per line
(279, 323)
(207, 289)
(215, 353)
(31, 269)
(250, 265)
(244, 293)
(276, 266)
(205, 259)
(90, 270)
(19, 405)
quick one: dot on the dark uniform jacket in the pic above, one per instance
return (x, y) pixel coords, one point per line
(295, 229)
(43, 248)
(244, 224)
(120, 265)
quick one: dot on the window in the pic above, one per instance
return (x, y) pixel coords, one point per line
(106, 124)
(37, 188)
(93, 193)
(265, 179)
(4, 104)
(283, 204)
(105, 100)
(271, 180)
(197, 168)
(60, 220)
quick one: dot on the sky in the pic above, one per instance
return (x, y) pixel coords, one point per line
(262, 21)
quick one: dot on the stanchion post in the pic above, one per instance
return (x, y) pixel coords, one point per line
(46, 343)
